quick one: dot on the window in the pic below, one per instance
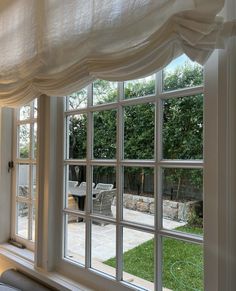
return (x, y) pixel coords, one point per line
(133, 172)
(24, 178)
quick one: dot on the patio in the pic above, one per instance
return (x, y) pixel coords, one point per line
(106, 235)
(104, 241)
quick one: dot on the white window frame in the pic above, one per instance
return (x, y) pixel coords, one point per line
(219, 210)
(157, 163)
(31, 161)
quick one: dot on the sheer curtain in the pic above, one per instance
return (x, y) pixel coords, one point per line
(56, 47)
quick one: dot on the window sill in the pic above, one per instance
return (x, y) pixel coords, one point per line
(23, 253)
(23, 260)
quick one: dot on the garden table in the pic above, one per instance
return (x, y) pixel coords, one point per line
(81, 195)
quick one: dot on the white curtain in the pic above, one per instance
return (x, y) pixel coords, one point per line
(56, 47)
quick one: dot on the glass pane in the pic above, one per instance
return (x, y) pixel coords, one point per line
(75, 238)
(23, 180)
(182, 265)
(33, 223)
(138, 258)
(104, 247)
(104, 192)
(182, 73)
(35, 108)
(138, 195)
(78, 99)
(24, 140)
(77, 135)
(183, 128)
(183, 199)
(22, 220)
(25, 112)
(34, 182)
(139, 87)
(104, 92)
(104, 142)
(139, 125)
(76, 187)
(35, 129)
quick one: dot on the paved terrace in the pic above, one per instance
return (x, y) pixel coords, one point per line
(104, 237)
(104, 240)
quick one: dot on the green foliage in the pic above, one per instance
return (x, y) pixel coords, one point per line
(182, 262)
(183, 128)
(104, 91)
(136, 89)
(139, 124)
(195, 218)
(182, 181)
(182, 125)
(105, 134)
(77, 136)
(186, 75)
(24, 152)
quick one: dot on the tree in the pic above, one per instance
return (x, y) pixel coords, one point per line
(182, 127)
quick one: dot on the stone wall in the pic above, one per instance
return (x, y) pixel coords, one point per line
(171, 209)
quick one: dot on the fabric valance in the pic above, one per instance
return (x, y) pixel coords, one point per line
(56, 47)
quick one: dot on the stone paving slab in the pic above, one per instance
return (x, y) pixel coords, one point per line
(104, 237)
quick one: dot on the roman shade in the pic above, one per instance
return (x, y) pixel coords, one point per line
(56, 47)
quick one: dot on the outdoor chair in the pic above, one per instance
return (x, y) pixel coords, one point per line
(103, 186)
(72, 184)
(102, 203)
(82, 185)
(23, 190)
(72, 200)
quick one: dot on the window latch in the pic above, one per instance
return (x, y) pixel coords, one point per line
(10, 166)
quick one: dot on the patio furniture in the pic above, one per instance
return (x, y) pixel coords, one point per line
(104, 186)
(74, 201)
(82, 185)
(80, 194)
(23, 190)
(103, 201)
(72, 184)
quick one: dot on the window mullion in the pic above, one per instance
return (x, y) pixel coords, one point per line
(158, 185)
(89, 175)
(30, 220)
(119, 179)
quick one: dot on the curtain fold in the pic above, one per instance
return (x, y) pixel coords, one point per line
(56, 47)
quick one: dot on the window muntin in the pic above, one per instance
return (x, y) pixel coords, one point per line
(153, 160)
(25, 181)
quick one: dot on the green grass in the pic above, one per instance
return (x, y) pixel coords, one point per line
(182, 263)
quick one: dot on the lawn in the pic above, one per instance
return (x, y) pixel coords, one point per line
(182, 263)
